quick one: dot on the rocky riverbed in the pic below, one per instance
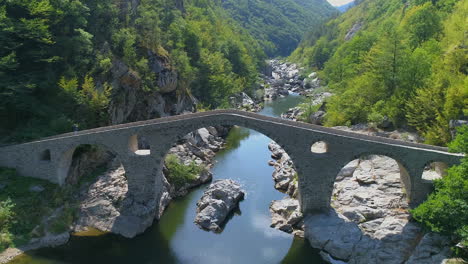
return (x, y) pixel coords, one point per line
(284, 77)
(369, 221)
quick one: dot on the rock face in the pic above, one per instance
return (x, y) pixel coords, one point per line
(352, 32)
(130, 102)
(217, 202)
(369, 222)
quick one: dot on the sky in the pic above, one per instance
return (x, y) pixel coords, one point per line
(339, 2)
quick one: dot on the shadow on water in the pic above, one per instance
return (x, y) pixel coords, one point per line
(301, 252)
(234, 139)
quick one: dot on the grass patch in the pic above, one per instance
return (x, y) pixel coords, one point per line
(27, 207)
(179, 174)
(62, 222)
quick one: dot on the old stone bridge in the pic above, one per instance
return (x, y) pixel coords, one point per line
(50, 158)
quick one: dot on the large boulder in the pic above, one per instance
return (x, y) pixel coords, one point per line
(217, 202)
(286, 216)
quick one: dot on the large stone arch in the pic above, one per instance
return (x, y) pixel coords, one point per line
(175, 133)
(406, 178)
(65, 158)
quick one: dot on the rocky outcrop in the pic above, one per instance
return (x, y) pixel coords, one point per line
(216, 204)
(286, 216)
(353, 30)
(131, 102)
(284, 174)
(166, 76)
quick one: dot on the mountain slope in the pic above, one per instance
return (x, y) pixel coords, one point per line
(345, 7)
(96, 62)
(279, 24)
(407, 62)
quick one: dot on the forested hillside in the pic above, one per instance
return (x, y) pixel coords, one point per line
(66, 61)
(402, 60)
(279, 25)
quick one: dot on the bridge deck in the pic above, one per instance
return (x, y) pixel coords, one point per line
(249, 115)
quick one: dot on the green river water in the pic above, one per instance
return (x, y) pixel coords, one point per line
(247, 237)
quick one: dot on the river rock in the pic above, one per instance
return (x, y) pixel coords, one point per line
(332, 233)
(286, 216)
(285, 78)
(429, 250)
(317, 118)
(217, 202)
(243, 102)
(293, 113)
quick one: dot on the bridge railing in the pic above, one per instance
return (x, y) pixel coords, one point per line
(252, 116)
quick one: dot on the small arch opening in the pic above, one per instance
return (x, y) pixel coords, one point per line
(434, 171)
(45, 155)
(319, 147)
(139, 145)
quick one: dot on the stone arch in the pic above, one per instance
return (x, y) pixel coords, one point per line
(369, 170)
(66, 158)
(45, 155)
(173, 134)
(434, 170)
(137, 147)
(405, 176)
(181, 132)
(319, 147)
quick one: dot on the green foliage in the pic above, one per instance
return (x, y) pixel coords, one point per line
(180, 174)
(21, 210)
(446, 210)
(59, 59)
(307, 110)
(408, 62)
(279, 24)
(6, 220)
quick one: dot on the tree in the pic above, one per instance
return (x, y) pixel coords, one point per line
(446, 210)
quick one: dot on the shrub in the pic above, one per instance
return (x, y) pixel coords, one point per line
(179, 174)
(6, 220)
(446, 210)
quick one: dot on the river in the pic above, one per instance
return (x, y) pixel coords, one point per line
(247, 237)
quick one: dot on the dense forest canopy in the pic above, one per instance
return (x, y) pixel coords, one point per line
(279, 24)
(397, 59)
(59, 57)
